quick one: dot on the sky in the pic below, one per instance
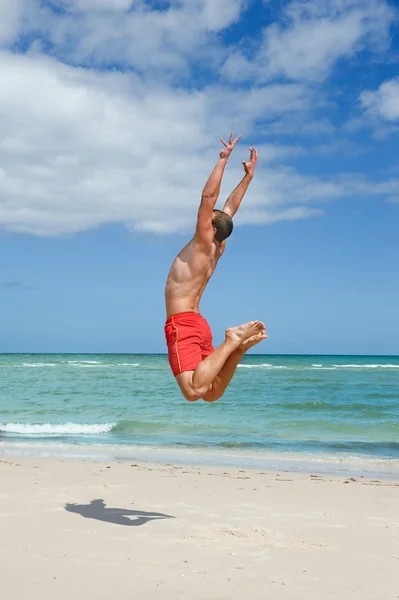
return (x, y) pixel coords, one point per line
(110, 117)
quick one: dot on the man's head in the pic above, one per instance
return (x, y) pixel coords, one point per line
(223, 225)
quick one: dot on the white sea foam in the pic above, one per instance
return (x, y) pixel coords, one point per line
(263, 366)
(85, 362)
(52, 429)
(320, 367)
(39, 364)
(102, 365)
(96, 363)
(371, 366)
(323, 368)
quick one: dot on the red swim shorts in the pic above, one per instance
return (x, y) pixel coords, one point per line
(189, 340)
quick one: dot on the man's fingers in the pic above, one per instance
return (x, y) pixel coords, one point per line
(254, 154)
(231, 142)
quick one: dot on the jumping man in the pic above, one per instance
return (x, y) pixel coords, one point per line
(200, 370)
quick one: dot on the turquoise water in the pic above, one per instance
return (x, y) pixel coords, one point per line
(324, 406)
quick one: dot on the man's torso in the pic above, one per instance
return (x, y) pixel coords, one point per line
(188, 276)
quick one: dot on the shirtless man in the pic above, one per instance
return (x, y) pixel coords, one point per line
(201, 371)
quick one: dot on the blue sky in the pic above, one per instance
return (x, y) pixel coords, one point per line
(111, 112)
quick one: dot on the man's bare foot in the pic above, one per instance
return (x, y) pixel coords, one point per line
(243, 332)
(252, 341)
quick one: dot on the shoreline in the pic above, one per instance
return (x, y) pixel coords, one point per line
(344, 465)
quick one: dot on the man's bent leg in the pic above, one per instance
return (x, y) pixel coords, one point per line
(222, 380)
(195, 384)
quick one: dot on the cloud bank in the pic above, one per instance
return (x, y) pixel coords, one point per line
(111, 110)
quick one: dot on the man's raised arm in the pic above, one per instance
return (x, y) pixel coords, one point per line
(211, 191)
(234, 200)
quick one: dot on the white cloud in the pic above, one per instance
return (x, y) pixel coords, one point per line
(311, 37)
(283, 194)
(219, 14)
(304, 123)
(340, 146)
(81, 148)
(161, 37)
(10, 14)
(263, 105)
(254, 216)
(216, 14)
(91, 5)
(384, 102)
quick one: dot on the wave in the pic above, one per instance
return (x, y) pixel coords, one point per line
(270, 366)
(92, 366)
(314, 368)
(52, 429)
(38, 364)
(318, 367)
(96, 363)
(374, 450)
(263, 366)
(50, 433)
(77, 363)
(371, 366)
(85, 362)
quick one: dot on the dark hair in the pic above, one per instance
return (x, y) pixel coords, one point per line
(223, 225)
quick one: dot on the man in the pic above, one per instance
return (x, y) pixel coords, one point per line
(201, 371)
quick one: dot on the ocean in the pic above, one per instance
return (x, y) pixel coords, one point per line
(337, 413)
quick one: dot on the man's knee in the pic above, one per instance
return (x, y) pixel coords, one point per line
(212, 396)
(190, 391)
(187, 387)
(191, 395)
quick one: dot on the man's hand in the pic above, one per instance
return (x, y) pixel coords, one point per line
(249, 167)
(228, 146)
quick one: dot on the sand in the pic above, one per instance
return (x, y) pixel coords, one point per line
(80, 530)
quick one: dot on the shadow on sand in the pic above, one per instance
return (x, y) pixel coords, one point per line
(119, 516)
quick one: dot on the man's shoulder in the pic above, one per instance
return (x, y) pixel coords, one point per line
(196, 253)
(202, 245)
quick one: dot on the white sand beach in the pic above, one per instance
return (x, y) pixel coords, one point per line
(88, 530)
